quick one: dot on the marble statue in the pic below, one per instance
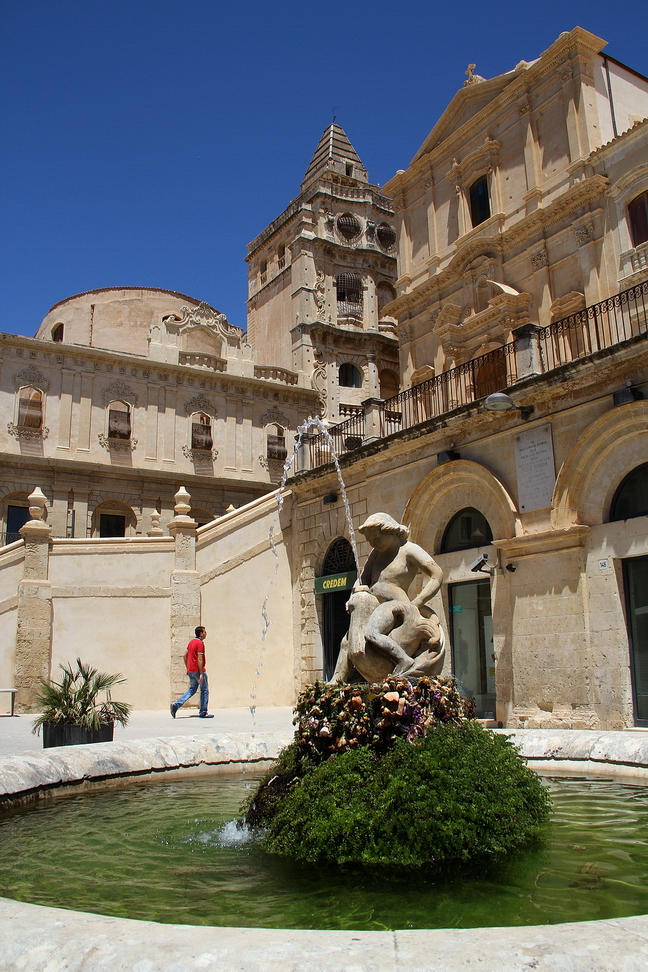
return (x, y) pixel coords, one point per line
(389, 634)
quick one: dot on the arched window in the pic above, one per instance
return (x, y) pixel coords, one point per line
(201, 432)
(276, 448)
(30, 408)
(113, 519)
(638, 213)
(57, 333)
(349, 294)
(479, 201)
(119, 420)
(349, 376)
(385, 294)
(467, 528)
(388, 383)
(631, 498)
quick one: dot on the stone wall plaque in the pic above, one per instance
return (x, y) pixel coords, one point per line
(534, 463)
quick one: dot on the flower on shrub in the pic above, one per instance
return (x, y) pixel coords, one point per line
(335, 718)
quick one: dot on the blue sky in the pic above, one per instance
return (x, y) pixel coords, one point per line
(146, 142)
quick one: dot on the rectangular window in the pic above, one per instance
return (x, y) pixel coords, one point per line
(118, 424)
(635, 573)
(277, 447)
(30, 413)
(479, 201)
(112, 525)
(473, 662)
(201, 437)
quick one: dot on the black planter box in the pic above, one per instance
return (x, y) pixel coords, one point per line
(55, 734)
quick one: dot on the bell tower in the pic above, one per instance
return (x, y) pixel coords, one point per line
(320, 278)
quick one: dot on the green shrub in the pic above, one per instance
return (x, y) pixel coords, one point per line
(459, 793)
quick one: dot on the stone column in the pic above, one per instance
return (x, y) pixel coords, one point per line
(185, 589)
(372, 412)
(527, 350)
(34, 631)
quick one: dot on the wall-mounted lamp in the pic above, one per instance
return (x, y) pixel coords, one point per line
(448, 456)
(627, 395)
(500, 402)
(511, 568)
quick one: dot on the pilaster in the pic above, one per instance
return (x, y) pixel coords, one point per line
(34, 613)
(185, 588)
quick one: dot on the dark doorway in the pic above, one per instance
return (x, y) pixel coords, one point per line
(335, 620)
(635, 573)
(112, 525)
(17, 516)
(473, 662)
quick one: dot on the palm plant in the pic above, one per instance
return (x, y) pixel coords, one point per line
(74, 701)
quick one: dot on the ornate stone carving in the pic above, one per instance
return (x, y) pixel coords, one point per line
(275, 467)
(200, 404)
(119, 390)
(472, 78)
(584, 234)
(566, 74)
(524, 107)
(200, 455)
(31, 376)
(389, 633)
(205, 314)
(320, 290)
(539, 260)
(116, 445)
(274, 417)
(318, 381)
(406, 331)
(19, 432)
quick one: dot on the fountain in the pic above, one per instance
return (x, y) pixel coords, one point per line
(389, 635)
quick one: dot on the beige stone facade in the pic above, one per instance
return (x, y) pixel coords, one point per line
(187, 398)
(522, 267)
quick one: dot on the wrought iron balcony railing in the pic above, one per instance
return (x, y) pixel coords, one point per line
(603, 325)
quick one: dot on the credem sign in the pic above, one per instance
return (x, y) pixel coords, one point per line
(335, 582)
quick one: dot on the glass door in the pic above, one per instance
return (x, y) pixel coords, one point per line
(473, 660)
(636, 587)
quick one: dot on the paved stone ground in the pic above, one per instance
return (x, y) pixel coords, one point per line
(16, 735)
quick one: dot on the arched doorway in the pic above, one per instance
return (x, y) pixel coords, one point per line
(335, 620)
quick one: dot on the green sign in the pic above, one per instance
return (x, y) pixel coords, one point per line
(335, 582)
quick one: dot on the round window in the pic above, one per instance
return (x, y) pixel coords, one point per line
(386, 236)
(348, 226)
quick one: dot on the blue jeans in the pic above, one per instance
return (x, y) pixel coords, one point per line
(193, 688)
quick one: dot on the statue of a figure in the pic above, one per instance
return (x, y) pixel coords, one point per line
(388, 633)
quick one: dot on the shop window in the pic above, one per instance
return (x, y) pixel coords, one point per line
(638, 213)
(468, 528)
(631, 498)
(201, 432)
(57, 333)
(276, 446)
(119, 420)
(479, 201)
(30, 408)
(349, 376)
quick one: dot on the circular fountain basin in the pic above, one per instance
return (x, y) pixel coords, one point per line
(36, 937)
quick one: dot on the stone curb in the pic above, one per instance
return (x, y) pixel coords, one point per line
(40, 939)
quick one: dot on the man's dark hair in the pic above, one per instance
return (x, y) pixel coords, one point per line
(199, 629)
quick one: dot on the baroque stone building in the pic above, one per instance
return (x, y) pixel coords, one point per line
(320, 277)
(514, 447)
(125, 391)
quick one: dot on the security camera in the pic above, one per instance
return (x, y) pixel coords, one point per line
(481, 564)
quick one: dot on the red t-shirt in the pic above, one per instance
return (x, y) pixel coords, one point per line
(194, 646)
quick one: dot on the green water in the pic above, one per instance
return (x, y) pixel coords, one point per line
(170, 853)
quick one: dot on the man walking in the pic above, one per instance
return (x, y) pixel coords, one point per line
(194, 658)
